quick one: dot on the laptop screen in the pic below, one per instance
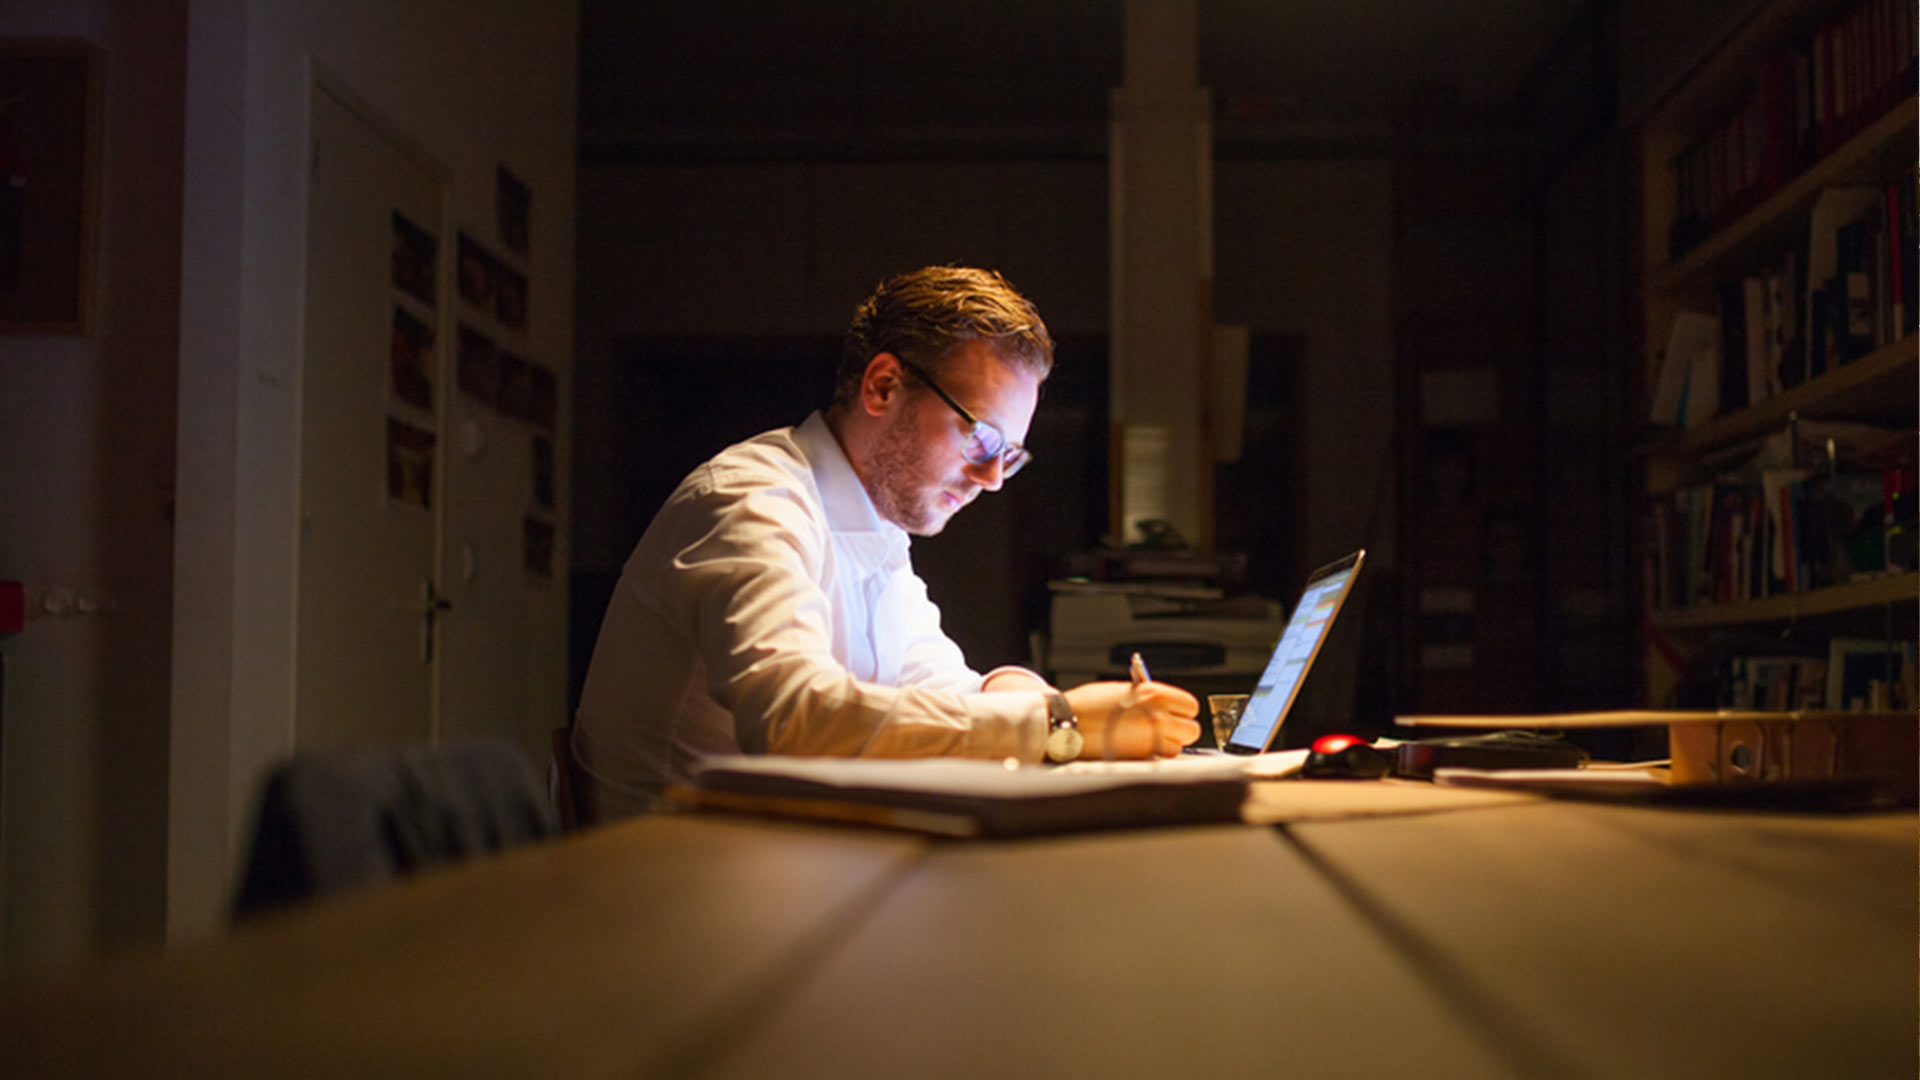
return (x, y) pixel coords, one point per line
(1299, 643)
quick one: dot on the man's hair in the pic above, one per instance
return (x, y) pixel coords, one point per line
(921, 315)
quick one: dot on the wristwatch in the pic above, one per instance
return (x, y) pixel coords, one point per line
(1063, 731)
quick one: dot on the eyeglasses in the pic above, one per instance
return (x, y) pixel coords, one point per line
(984, 443)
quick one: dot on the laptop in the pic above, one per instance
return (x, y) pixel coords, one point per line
(1307, 629)
(1274, 692)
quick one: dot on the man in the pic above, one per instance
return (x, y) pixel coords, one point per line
(771, 606)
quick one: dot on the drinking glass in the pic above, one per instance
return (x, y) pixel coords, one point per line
(1226, 710)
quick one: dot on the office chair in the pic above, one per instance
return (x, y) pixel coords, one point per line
(343, 819)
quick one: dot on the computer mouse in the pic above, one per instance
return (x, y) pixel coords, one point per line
(1345, 757)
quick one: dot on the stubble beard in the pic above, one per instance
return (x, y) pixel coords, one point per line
(897, 486)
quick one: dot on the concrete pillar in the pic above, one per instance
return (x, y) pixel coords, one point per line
(1160, 171)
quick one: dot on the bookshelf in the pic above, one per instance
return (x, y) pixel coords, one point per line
(1865, 157)
(1881, 386)
(1796, 130)
(1834, 599)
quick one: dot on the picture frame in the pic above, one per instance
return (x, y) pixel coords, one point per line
(1855, 666)
(416, 256)
(513, 205)
(50, 117)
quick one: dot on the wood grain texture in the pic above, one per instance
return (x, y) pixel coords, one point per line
(597, 955)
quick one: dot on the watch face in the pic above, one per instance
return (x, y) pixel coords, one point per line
(1064, 743)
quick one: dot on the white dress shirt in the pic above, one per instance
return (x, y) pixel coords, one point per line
(769, 608)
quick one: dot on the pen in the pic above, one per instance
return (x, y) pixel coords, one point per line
(1137, 672)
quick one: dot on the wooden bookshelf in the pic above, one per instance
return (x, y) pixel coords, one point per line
(1866, 158)
(1837, 599)
(1880, 388)
(1882, 385)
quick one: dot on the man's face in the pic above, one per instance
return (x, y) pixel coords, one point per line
(916, 474)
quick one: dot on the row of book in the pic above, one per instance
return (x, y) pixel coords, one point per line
(1806, 100)
(1847, 290)
(1856, 674)
(1848, 285)
(1775, 683)
(1789, 530)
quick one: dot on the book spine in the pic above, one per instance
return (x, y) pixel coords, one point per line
(1896, 280)
(1909, 249)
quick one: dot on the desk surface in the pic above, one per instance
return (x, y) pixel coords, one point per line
(1535, 940)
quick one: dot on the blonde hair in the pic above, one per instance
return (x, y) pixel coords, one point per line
(921, 315)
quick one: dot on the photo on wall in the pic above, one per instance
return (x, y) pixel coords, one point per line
(50, 94)
(416, 254)
(475, 274)
(543, 472)
(537, 536)
(516, 386)
(543, 405)
(509, 297)
(410, 451)
(477, 367)
(489, 285)
(514, 205)
(412, 361)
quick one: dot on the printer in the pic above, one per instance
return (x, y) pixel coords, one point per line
(1192, 636)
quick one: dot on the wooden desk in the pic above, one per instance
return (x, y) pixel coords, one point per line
(1539, 940)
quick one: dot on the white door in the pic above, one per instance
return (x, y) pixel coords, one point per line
(371, 398)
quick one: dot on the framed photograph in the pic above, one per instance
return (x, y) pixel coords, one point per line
(537, 550)
(50, 91)
(1870, 674)
(516, 386)
(478, 366)
(475, 274)
(543, 400)
(412, 361)
(409, 464)
(415, 260)
(513, 203)
(509, 296)
(543, 472)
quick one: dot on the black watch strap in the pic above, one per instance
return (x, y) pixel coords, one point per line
(1063, 729)
(1060, 711)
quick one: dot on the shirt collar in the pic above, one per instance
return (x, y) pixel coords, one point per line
(849, 509)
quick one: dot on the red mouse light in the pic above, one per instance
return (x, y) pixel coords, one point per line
(1333, 744)
(1346, 757)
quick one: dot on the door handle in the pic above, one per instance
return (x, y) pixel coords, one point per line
(432, 606)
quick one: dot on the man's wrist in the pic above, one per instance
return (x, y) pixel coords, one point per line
(1014, 677)
(1064, 738)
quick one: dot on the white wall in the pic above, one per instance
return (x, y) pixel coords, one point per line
(473, 86)
(86, 479)
(150, 470)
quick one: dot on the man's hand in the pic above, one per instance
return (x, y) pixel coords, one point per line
(1148, 720)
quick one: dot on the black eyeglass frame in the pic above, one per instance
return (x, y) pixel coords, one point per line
(1013, 456)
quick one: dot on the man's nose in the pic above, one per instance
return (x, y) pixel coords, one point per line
(988, 476)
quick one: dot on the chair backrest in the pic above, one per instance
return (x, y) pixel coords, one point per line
(561, 780)
(336, 820)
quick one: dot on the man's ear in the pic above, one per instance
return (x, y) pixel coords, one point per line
(882, 383)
